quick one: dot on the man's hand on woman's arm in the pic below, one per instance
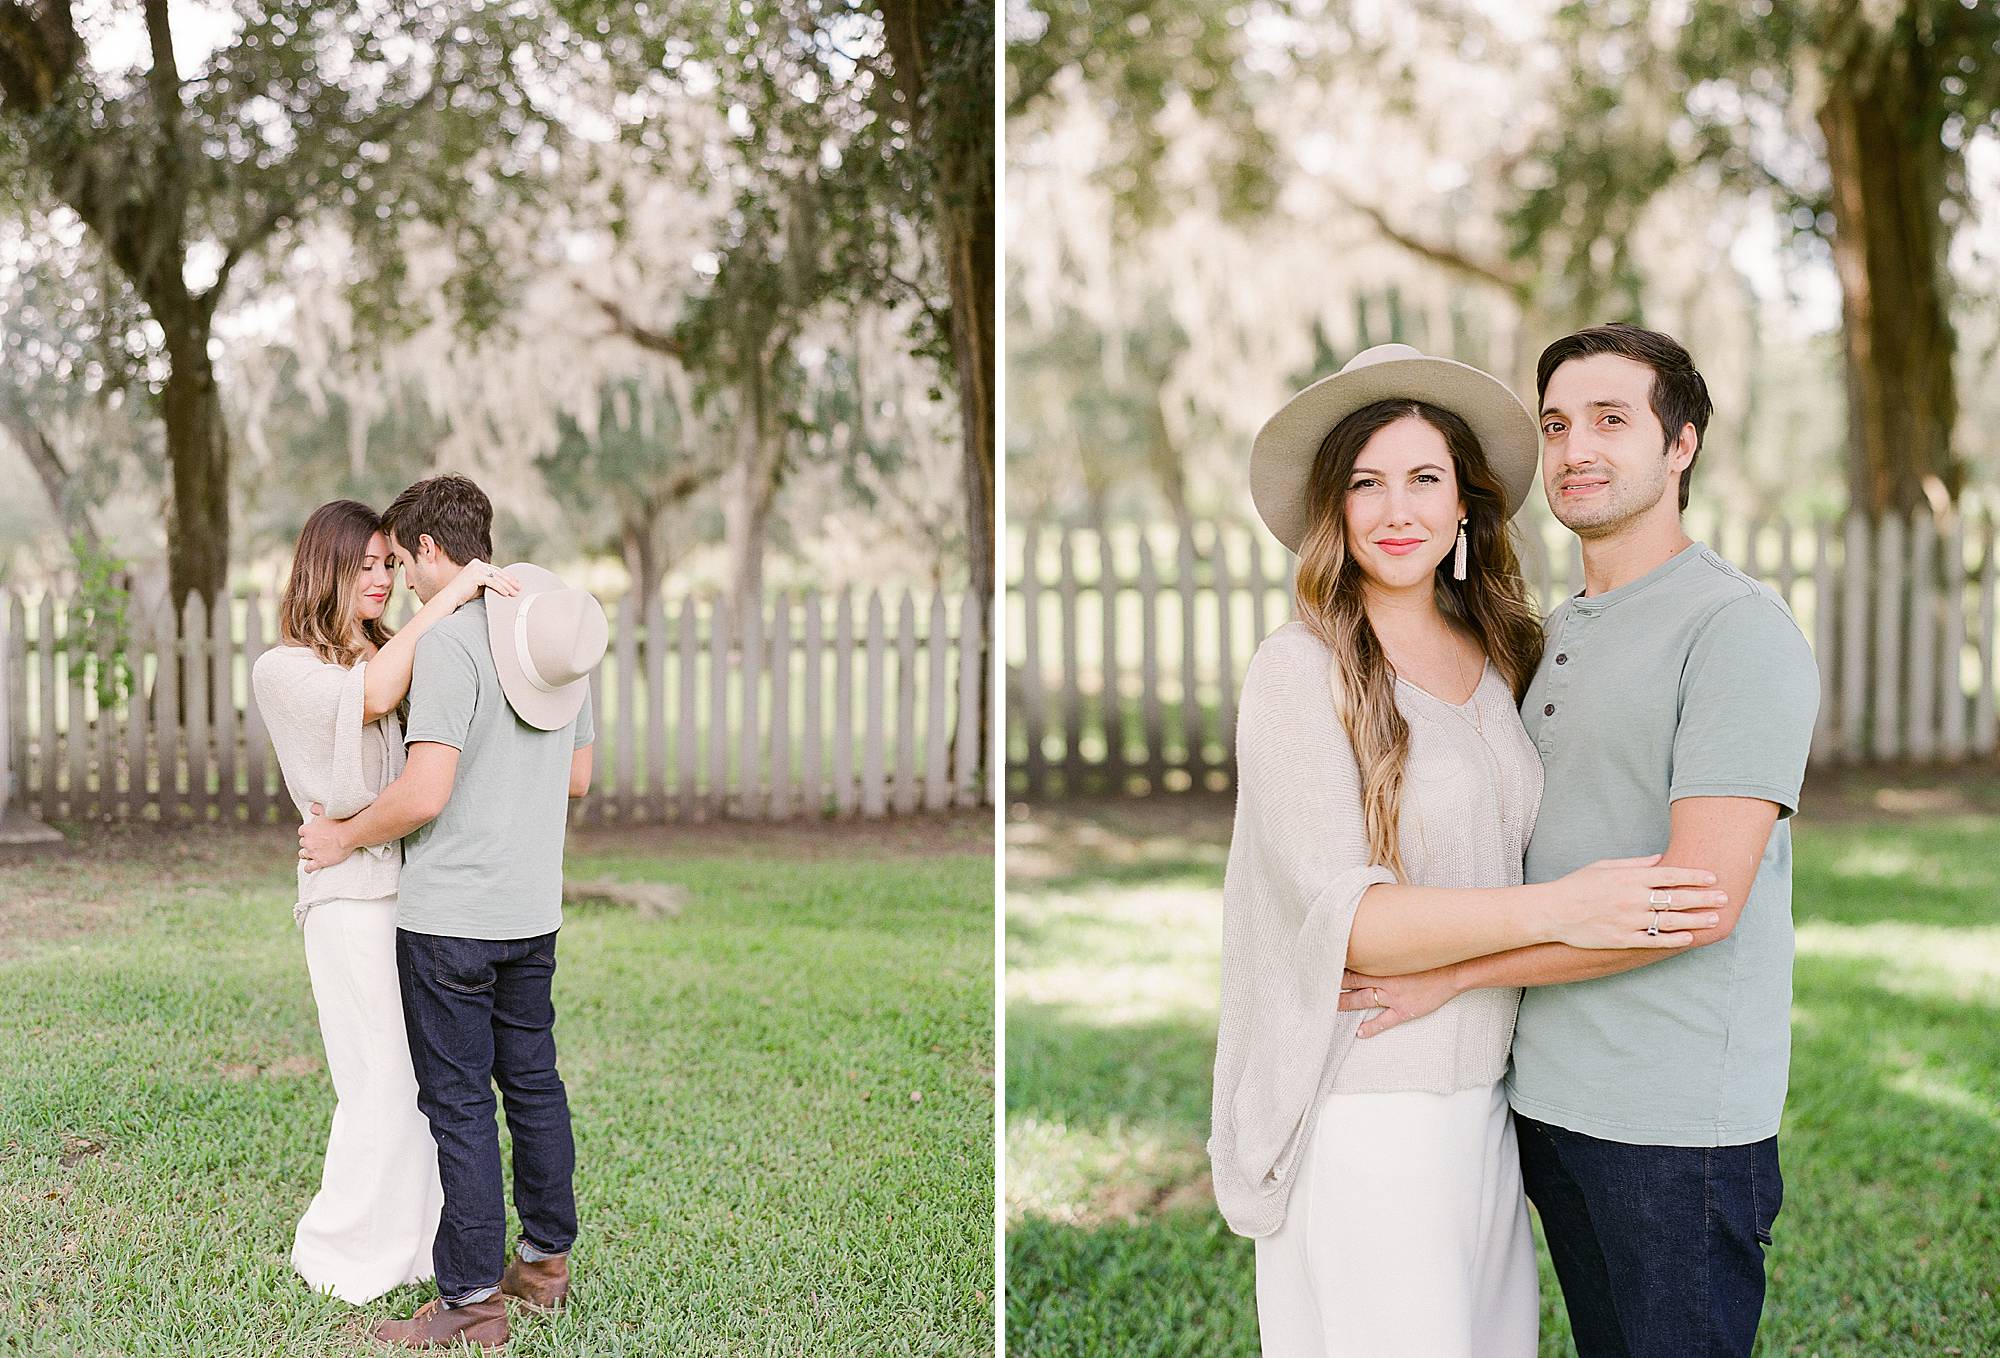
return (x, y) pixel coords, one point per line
(413, 800)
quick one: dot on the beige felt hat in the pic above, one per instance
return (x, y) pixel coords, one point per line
(546, 640)
(1282, 456)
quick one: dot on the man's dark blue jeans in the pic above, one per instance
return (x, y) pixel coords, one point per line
(1659, 1249)
(478, 1013)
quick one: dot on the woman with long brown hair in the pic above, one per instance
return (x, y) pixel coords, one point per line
(329, 693)
(1386, 791)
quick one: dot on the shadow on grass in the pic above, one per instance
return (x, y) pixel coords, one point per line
(1063, 1068)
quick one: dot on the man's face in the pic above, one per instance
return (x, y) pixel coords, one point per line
(421, 572)
(1604, 456)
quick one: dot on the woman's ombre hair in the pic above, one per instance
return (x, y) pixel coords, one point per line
(1491, 603)
(321, 600)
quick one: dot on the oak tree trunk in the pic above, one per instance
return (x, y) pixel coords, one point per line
(1887, 164)
(198, 453)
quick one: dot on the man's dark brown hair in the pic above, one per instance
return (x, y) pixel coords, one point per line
(454, 511)
(1679, 397)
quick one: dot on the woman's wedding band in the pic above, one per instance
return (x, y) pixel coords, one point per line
(1653, 929)
(1378, 996)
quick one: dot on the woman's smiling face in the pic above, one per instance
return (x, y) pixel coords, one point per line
(377, 579)
(1402, 505)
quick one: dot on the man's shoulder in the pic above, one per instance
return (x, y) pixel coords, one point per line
(1724, 595)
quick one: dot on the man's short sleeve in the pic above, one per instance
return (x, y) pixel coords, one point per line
(586, 725)
(444, 692)
(1749, 696)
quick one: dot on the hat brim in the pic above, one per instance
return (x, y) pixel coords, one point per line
(542, 710)
(1282, 456)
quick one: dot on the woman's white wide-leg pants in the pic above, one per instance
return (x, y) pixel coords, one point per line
(1406, 1235)
(371, 1225)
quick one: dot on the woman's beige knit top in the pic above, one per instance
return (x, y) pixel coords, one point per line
(1298, 865)
(313, 711)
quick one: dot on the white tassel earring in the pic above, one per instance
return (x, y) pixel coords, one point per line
(1458, 554)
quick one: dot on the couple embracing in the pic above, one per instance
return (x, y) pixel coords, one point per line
(1484, 862)
(433, 767)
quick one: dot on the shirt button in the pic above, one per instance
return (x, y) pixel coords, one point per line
(1548, 709)
(1562, 660)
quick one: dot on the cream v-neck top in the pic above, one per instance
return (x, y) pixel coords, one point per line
(1298, 865)
(328, 755)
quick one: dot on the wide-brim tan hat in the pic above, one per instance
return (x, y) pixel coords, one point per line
(1282, 456)
(546, 640)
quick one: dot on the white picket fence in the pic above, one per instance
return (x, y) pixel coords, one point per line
(805, 706)
(1140, 695)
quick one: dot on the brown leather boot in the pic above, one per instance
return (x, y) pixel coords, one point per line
(436, 1326)
(541, 1286)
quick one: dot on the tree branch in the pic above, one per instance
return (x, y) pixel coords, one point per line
(658, 341)
(938, 318)
(164, 78)
(291, 206)
(1511, 279)
(57, 481)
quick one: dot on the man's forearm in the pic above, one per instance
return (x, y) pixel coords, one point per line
(400, 809)
(1551, 964)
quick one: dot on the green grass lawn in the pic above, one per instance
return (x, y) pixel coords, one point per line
(782, 1099)
(1889, 1242)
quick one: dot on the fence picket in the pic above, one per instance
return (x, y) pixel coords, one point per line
(1191, 724)
(222, 629)
(76, 737)
(590, 808)
(1951, 652)
(1152, 719)
(812, 704)
(1986, 719)
(625, 645)
(719, 620)
(46, 738)
(105, 745)
(843, 704)
(1854, 559)
(1033, 714)
(194, 691)
(1225, 655)
(937, 734)
(971, 681)
(1826, 723)
(1921, 709)
(784, 787)
(688, 729)
(256, 735)
(656, 708)
(15, 658)
(873, 792)
(1889, 558)
(749, 766)
(904, 799)
(167, 712)
(1072, 696)
(1110, 700)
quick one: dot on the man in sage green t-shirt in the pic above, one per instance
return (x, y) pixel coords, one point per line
(1673, 710)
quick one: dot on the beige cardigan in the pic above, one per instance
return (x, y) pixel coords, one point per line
(1298, 865)
(313, 711)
